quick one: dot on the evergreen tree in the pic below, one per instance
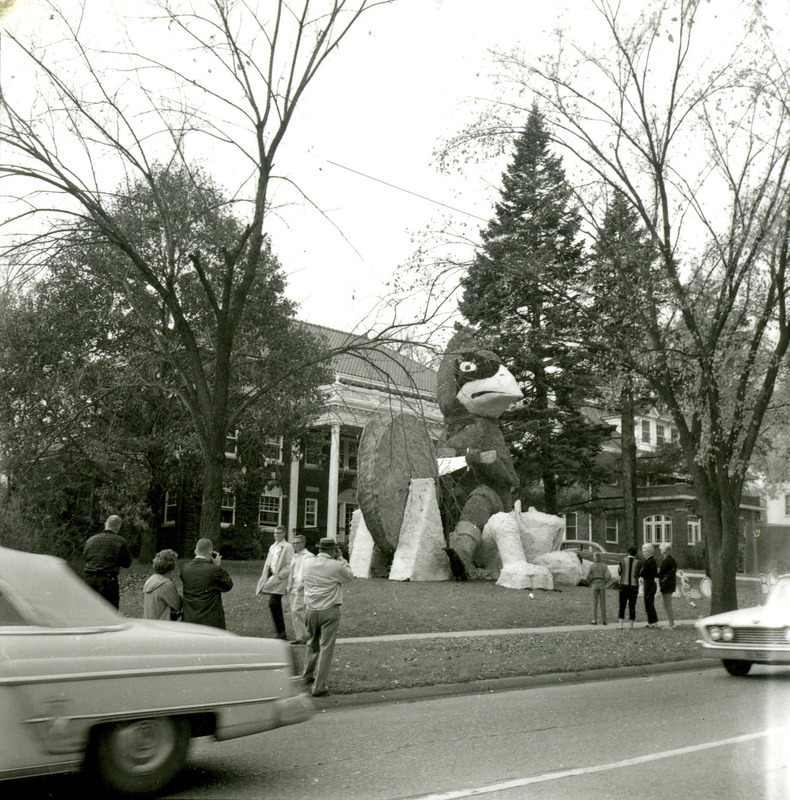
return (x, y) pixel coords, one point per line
(522, 294)
(621, 276)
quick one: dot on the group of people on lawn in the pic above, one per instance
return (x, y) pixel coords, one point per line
(312, 583)
(630, 571)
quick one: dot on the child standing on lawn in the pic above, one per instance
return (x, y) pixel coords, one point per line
(599, 575)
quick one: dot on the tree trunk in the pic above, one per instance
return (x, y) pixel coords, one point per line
(211, 501)
(628, 465)
(720, 527)
(550, 492)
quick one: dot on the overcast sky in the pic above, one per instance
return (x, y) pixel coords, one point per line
(398, 87)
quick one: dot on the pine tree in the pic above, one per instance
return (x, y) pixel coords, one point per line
(522, 294)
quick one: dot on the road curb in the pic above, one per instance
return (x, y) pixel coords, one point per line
(491, 685)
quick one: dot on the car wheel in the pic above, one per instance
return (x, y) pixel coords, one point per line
(140, 756)
(737, 668)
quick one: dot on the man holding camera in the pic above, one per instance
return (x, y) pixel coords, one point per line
(204, 580)
(323, 579)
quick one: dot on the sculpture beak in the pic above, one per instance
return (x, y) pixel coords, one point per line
(489, 397)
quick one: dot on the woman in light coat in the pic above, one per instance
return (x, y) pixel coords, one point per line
(161, 599)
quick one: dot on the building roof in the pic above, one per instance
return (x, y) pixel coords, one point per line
(374, 364)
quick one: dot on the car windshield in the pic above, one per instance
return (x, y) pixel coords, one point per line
(781, 591)
(43, 590)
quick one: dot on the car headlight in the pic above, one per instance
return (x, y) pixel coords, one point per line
(715, 632)
(727, 634)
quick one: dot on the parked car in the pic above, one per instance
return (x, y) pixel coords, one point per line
(83, 687)
(585, 549)
(759, 635)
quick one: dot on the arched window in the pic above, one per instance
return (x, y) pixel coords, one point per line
(657, 529)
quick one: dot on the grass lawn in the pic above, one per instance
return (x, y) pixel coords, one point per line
(378, 606)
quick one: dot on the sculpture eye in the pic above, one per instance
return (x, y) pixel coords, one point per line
(467, 366)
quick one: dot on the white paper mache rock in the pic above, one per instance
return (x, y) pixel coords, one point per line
(540, 533)
(505, 556)
(564, 566)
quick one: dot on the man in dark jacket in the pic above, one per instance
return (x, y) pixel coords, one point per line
(629, 586)
(104, 555)
(204, 580)
(667, 580)
(648, 573)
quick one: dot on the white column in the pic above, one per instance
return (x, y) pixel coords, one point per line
(293, 494)
(334, 475)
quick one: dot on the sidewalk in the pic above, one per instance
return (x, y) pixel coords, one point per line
(402, 637)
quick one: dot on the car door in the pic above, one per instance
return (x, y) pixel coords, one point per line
(22, 751)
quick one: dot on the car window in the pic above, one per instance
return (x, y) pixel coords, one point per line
(44, 591)
(781, 592)
(8, 613)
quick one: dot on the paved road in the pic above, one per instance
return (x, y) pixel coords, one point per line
(699, 734)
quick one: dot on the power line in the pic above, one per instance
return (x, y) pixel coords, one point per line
(407, 191)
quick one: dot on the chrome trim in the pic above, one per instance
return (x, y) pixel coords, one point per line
(137, 673)
(47, 768)
(756, 654)
(160, 711)
(43, 630)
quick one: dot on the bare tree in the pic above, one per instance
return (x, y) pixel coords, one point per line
(696, 137)
(216, 78)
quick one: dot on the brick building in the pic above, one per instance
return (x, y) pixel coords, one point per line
(667, 508)
(309, 486)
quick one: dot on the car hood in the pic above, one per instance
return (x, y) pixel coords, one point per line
(135, 645)
(772, 615)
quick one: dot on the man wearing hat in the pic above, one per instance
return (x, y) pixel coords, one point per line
(296, 587)
(274, 578)
(323, 578)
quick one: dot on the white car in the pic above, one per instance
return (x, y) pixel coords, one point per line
(759, 635)
(82, 687)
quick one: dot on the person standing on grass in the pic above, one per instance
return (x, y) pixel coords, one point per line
(105, 554)
(296, 587)
(629, 586)
(161, 599)
(203, 581)
(649, 572)
(324, 577)
(667, 580)
(599, 575)
(274, 578)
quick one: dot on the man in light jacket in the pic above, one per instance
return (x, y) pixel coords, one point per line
(274, 578)
(296, 587)
(324, 577)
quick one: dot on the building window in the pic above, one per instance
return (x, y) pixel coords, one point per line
(272, 449)
(310, 512)
(227, 516)
(675, 435)
(571, 525)
(694, 530)
(171, 510)
(787, 505)
(345, 511)
(270, 508)
(349, 447)
(612, 529)
(231, 444)
(646, 430)
(660, 438)
(657, 529)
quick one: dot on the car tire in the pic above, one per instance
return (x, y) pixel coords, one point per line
(737, 668)
(139, 756)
